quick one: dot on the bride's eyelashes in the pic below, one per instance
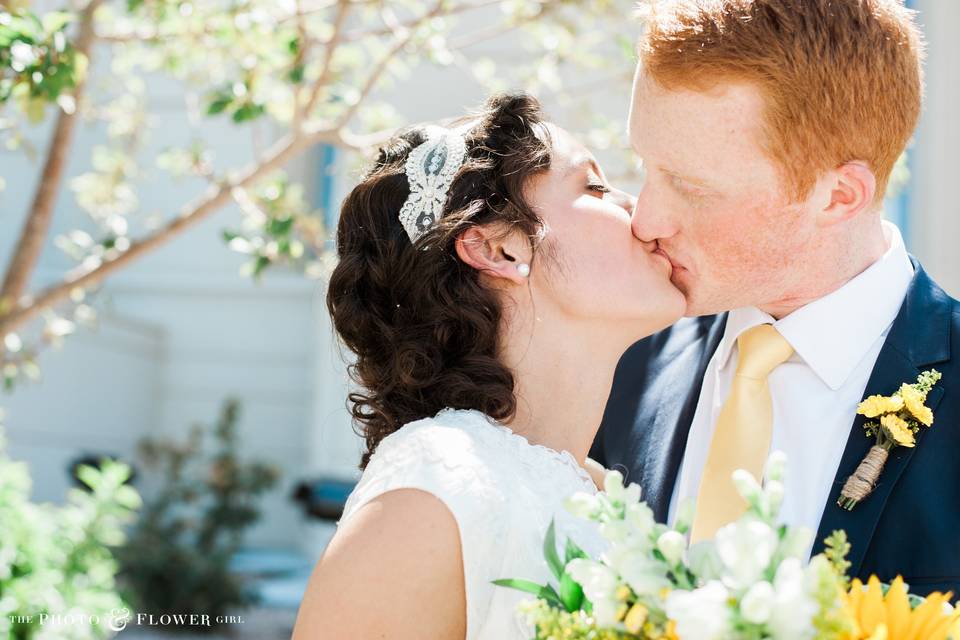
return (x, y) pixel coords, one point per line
(598, 188)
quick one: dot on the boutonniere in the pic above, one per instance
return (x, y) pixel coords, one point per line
(895, 421)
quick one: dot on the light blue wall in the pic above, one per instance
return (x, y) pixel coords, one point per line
(899, 208)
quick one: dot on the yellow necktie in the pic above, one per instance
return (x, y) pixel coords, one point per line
(741, 439)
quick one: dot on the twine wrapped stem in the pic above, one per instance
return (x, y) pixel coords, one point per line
(861, 484)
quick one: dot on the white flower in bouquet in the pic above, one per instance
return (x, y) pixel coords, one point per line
(641, 519)
(795, 602)
(701, 614)
(672, 545)
(775, 469)
(746, 550)
(704, 562)
(751, 582)
(615, 490)
(600, 584)
(583, 505)
(642, 572)
(796, 543)
(757, 605)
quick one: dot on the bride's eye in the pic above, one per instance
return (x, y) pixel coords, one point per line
(598, 188)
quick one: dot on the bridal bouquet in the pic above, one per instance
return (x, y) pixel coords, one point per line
(750, 582)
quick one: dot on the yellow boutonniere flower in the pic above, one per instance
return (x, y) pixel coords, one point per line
(901, 416)
(913, 399)
(898, 430)
(878, 405)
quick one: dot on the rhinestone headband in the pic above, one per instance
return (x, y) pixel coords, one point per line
(430, 170)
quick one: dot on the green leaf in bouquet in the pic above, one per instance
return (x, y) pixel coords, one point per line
(550, 595)
(550, 551)
(571, 593)
(543, 592)
(573, 552)
(520, 585)
(837, 548)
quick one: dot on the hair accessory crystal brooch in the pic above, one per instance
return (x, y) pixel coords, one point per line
(430, 170)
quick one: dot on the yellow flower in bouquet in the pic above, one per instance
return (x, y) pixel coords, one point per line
(890, 617)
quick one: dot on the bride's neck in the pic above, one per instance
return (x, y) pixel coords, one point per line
(563, 378)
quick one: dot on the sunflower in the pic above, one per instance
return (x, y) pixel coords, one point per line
(890, 617)
(878, 405)
(898, 430)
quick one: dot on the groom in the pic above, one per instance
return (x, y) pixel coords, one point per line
(769, 130)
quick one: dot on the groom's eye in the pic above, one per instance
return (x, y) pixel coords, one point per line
(685, 189)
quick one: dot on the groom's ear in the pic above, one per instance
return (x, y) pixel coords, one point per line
(494, 253)
(853, 190)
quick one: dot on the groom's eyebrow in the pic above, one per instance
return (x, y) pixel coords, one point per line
(695, 181)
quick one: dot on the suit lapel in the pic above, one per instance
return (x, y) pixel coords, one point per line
(667, 412)
(919, 337)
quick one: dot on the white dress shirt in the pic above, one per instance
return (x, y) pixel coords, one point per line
(836, 340)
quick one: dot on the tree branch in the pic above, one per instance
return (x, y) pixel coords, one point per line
(24, 308)
(381, 66)
(495, 31)
(214, 199)
(34, 233)
(413, 22)
(364, 142)
(343, 9)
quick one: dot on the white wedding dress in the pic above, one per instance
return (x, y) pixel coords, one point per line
(503, 493)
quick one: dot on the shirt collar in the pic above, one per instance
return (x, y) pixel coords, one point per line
(833, 334)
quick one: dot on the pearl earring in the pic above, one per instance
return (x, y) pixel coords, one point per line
(523, 270)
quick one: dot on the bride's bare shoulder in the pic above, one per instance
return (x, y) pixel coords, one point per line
(394, 569)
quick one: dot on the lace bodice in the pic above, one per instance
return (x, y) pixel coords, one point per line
(503, 493)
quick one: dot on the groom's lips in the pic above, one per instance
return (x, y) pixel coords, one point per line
(660, 252)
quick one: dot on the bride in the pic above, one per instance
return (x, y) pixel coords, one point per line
(488, 282)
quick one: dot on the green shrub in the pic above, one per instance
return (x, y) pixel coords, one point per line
(177, 558)
(57, 572)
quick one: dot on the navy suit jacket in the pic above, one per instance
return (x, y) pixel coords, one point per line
(909, 525)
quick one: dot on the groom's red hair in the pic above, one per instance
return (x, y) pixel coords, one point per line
(841, 79)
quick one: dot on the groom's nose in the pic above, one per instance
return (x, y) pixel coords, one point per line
(650, 220)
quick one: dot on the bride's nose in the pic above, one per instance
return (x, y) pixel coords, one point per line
(624, 200)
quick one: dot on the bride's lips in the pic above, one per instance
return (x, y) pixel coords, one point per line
(663, 254)
(659, 253)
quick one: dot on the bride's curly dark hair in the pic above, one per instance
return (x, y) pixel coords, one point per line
(423, 327)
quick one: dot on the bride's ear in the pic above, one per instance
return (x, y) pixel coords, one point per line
(494, 253)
